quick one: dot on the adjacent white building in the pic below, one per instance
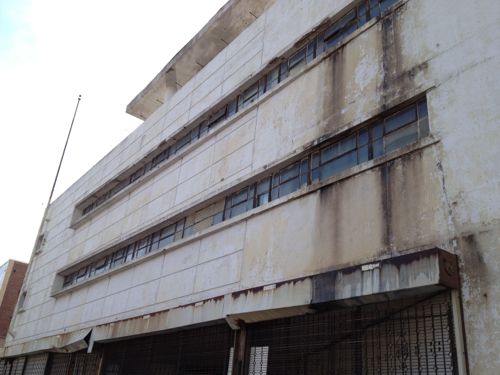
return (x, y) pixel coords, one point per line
(314, 190)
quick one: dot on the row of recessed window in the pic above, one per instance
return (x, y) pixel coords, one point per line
(324, 41)
(381, 136)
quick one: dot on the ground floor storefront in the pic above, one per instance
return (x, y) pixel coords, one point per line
(402, 336)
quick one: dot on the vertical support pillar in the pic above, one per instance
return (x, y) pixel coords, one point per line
(459, 330)
(238, 365)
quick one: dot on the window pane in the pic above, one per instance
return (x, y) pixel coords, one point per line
(401, 137)
(340, 29)
(297, 60)
(289, 172)
(195, 134)
(239, 197)
(289, 187)
(329, 153)
(168, 231)
(378, 148)
(262, 199)
(362, 154)
(304, 172)
(362, 14)
(239, 209)
(183, 142)
(218, 218)
(311, 51)
(374, 8)
(340, 164)
(283, 71)
(377, 131)
(400, 119)
(315, 175)
(424, 127)
(422, 109)
(263, 186)
(232, 107)
(203, 128)
(315, 160)
(251, 94)
(218, 116)
(272, 78)
(188, 231)
(347, 144)
(363, 137)
(165, 241)
(386, 4)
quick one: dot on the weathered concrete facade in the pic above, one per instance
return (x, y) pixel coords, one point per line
(439, 192)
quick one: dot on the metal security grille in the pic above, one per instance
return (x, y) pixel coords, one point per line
(200, 351)
(35, 365)
(391, 338)
(12, 366)
(74, 364)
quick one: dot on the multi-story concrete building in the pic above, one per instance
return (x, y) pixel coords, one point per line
(314, 190)
(11, 279)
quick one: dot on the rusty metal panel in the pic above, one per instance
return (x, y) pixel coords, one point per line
(35, 364)
(397, 337)
(195, 351)
(80, 363)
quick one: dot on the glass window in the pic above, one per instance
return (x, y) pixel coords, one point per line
(286, 181)
(81, 275)
(272, 78)
(304, 172)
(183, 142)
(130, 252)
(195, 134)
(179, 229)
(311, 51)
(251, 94)
(240, 202)
(263, 189)
(68, 280)
(297, 60)
(386, 4)
(423, 119)
(232, 107)
(217, 117)
(119, 257)
(218, 218)
(401, 137)
(340, 29)
(100, 266)
(283, 71)
(374, 8)
(167, 236)
(400, 119)
(339, 164)
(136, 175)
(363, 15)
(142, 247)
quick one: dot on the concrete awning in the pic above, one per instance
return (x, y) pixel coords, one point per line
(63, 343)
(222, 29)
(403, 276)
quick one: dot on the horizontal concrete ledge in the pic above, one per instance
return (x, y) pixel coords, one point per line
(63, 343)
(394, 277)
(397, 277)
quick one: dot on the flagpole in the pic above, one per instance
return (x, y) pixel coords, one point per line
(39, 236)
(62, 156)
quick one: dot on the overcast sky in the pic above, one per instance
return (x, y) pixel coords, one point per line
(50, 52)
